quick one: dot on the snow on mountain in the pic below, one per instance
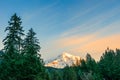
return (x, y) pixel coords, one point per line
(63, 60)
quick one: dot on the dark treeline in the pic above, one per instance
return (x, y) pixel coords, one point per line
(108, 68)
(20, 60)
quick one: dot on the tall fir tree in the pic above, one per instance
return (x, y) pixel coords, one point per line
(90, 62)
(31, 44)
(106, 64)
(13, 40)
(35, 63)
(116, 65)
(12, 44)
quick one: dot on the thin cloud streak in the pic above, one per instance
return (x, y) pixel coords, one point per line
(111, 29)
(37, 12)
(80, 14)
(73, 41)
(93, 23)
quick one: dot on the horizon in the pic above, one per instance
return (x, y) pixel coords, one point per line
(77, 27)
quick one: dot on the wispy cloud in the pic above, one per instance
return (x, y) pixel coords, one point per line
(83, 13)
(111, 29)
(34, 13)
(73, 41)
(93, 24)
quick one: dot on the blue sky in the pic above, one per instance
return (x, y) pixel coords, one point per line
(56, 22)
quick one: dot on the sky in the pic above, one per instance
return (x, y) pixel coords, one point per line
(73, 26)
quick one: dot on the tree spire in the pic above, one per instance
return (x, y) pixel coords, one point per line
(13, 40)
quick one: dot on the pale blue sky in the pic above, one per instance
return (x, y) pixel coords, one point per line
(54, 20)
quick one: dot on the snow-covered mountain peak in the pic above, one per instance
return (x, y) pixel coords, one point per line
(65, 59)
(65, 54)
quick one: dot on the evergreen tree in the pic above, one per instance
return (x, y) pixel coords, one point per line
(89, 69)
(116, 66)
(13, 40)
(83, 66)
(31, 44)
(35, 63)
(69, 74)
(106, 64)
(91, 64)
(55, 75)
(12, 43)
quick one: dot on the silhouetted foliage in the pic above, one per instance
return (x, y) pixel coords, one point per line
(31, 44)
(13, 40)
(17, 66)
(109, 64)
(69, 74)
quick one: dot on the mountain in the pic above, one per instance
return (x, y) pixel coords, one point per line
(63, 60)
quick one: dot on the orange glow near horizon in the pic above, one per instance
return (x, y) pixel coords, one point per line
(89, 44)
